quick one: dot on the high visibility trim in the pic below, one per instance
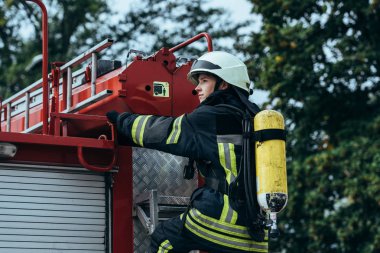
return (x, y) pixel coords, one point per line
(236, 139)
(220, 226)
(135, 128)
(143, 129)
(222, 159)
(176, 131)
(227, 159)
(225, 240)
(165, 246)
(228, 215)
(138, 128)
(233, 159)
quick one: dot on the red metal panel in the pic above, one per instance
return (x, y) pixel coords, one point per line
(185, 97)
(34, 153)
(19, 138)
(133, 91)
(139, 87)
(122, 204)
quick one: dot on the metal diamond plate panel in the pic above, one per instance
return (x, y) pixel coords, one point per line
(157, 170)
(141, 239)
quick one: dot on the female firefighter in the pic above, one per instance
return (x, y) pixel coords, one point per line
(216, 220)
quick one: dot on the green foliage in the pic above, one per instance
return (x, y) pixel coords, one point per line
(320, 62)
(155, 24)
(335, 197)
(71, 23)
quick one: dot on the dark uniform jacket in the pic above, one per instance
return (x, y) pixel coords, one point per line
(211, 135)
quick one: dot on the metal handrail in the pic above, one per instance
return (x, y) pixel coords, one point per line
(35, 90)
(86, 55)
(193, 39)
(45, 113)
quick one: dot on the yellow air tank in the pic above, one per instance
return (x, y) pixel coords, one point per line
(271, 182)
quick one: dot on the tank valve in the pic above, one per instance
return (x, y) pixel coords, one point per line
(273, 230)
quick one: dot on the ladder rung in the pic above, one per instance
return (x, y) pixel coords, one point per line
(75, 108)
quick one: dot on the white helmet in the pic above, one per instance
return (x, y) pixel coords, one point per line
(224, 65)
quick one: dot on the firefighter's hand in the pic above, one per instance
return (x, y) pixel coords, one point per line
(112, 116)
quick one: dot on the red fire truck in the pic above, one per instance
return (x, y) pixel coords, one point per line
(65, 183)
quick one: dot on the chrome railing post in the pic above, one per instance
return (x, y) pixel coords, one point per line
(9, 107)
(93, 73)
(69, 87)
(27, 107)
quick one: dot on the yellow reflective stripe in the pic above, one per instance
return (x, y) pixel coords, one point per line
(141, 137)
(176, 131)
(225, 240)
(221, 226)
(165, 246)
(228, 215)
(227, 159)
(222, 160)
(138, 128)
(179, 130)
(134, 128)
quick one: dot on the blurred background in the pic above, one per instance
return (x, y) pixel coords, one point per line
(315, 61)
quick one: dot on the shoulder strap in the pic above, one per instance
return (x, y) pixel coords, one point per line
(251, 107)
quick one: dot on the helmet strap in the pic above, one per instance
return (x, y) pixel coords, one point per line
(218, 82)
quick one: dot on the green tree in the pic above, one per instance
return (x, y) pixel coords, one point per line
(10, 41)
(73, 27)
(155, 24)
(320, 62)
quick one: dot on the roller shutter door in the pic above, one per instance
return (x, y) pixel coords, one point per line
(52, 210)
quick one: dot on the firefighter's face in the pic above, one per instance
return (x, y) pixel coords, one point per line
(206, 86)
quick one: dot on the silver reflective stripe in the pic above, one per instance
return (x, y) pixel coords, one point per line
(225, 240)
(235, 139)
(220, 226)
(138, 128)
(176, 131)
(228, 215)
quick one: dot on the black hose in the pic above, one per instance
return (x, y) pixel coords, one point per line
(249, 190)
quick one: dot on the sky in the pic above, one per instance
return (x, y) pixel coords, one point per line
(239, 11)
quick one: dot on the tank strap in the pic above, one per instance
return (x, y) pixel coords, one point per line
(219, 185)
(269, 134)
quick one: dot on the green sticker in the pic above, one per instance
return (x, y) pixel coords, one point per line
(160, 89)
